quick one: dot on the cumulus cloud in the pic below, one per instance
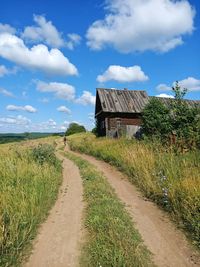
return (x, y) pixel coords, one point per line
(27, 108)
(38, 57)
(74, 40)
(123, 74)
(165, 95)
(190, 83)
(60, 90)
(7, 28)
(163, 87)
(6, 92)
(64, 109)
(44, 31)
(132, 25)
(18, 120)
(86, 99)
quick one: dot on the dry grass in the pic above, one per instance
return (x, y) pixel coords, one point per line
(27, 191)
(171, 180)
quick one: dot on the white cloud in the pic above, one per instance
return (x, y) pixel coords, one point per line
(91, 117)
(27, 108)
(74, 40)
(133, 25)
(165, 95)
(45, 32)
(5, 71)
(190, 83)
(61, 90)
(123, 74)
(64, 109)
(86, 99)
(18, 120)
(163, 87)
(6, 92)
(38, 57)
(6, 28)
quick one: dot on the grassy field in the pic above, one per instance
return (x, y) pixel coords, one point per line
(112, 239)
(30, 176)
(171, 180)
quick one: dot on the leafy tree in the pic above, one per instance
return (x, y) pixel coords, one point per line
(75, 128)
(156, 119)
(177, 118)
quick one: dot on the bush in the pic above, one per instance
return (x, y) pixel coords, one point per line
(175, 120)
(75, 128)
(44, 153)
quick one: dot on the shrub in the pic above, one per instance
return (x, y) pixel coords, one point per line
(44, 153)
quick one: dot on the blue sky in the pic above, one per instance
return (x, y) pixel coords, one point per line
(54, 54)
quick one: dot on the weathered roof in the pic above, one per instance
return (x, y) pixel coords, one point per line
(167, 101)
(126, 101)
(129, 101)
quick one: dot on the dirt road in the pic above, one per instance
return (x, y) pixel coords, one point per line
(168, 244)
(58, 241)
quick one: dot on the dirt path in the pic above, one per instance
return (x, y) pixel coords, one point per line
(58, 241)
(168, 245)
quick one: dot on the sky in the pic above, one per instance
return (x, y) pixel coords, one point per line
(54, 54)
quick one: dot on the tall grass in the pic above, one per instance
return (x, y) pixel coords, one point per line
(27, 191)
(171, 180)
(112, 239)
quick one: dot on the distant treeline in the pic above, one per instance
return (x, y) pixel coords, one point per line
(15, 137)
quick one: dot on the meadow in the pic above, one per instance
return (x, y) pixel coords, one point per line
(30, 176)
(169, 178)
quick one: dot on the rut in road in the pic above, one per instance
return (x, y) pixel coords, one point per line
(59, 238)
(168, 245)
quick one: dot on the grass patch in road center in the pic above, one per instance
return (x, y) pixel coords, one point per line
(112, 239)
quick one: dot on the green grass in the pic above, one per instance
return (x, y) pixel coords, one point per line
(112, 239)
(28, 188)
(170, 179)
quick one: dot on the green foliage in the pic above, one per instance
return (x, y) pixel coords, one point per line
(75, 128)
(112, 237)
(44, 153)
(177, 118)
(156, 119)
(94, 131)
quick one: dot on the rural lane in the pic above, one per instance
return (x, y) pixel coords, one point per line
(168, 244)
(59, 239)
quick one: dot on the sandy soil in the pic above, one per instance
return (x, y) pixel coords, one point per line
(59, 238)
(168, 244)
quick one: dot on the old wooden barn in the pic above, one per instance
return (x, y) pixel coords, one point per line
(118, 112)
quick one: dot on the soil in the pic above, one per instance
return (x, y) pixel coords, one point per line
(167, 243)
(59, 240)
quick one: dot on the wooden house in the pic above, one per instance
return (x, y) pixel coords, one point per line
(118, 112)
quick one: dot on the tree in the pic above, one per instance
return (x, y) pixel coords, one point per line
(177, 118)
(75, 128)
(156, 119)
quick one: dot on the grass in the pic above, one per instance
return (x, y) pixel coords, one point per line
(112, 239)
(170, 179)
(28, 188)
